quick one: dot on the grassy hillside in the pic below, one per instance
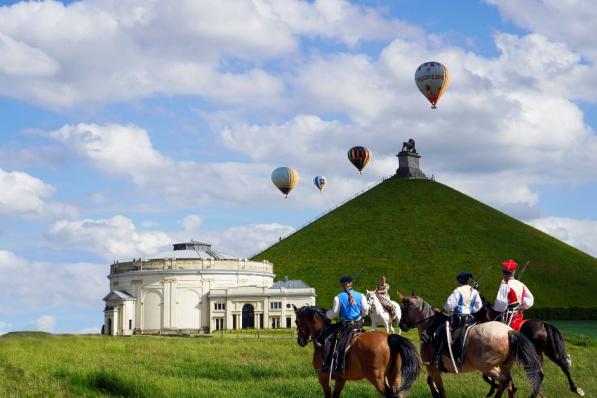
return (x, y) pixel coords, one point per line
(227, 366)
(421, 233)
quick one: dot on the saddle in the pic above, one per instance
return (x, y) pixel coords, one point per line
(458, 332)
(336, 341)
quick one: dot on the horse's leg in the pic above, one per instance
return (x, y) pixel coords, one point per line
(434, 392)
(512, 388)
(324, 381)
(502, 375)
(373, 323)
(436, 377)
(338, 387)
(493, 385)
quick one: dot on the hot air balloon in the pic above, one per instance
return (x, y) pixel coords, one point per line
(432, 80)
(285, 179)
(359, 156)
(320, 182)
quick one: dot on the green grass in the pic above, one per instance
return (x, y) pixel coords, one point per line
(232, 365)
(421, 234)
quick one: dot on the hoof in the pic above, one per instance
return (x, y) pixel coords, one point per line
(580, 391)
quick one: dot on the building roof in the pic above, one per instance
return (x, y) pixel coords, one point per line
(192, 250)
(120, 294)
(289, 284)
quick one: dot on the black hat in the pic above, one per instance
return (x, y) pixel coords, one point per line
(463, 277)
(346, 279)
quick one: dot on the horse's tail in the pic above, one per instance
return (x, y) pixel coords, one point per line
(525, 354)
(410, 369)
(554, 348)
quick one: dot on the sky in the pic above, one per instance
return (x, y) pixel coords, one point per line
(127, 126)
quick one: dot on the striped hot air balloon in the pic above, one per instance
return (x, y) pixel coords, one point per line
(359, 156)
(285, 179)
(432, 80)
(320, 182)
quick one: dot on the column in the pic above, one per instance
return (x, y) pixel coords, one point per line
(115, 319)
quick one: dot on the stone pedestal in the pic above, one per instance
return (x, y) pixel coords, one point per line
(408, 165)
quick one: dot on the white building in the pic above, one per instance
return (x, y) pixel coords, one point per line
(194, 289)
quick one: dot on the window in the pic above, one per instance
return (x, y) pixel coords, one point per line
(288, 322)
(275, 305)
(288, 305)
(219, 306)
(275, 322)
(130, 324)
(219, 323)
(260, 321)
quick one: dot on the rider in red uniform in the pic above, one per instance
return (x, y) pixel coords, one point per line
(513, 297)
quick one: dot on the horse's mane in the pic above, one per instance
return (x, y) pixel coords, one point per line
(427, 309)
(313, 311)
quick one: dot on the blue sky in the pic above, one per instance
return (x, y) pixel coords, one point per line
(135, 125)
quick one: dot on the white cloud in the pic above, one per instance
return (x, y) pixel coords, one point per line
(115, 149)
(18, 59)
(109, 51)
(113, 238)
(246, 240)
(24, 195)
(576, 20)
(581, 234)
(4, 326)
(191, 223)
(29, 284)
(45, 323)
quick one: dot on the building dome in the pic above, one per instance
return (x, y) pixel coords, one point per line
(193, 289)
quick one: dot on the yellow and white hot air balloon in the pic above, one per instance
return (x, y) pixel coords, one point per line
(285, 179)
(432, 80)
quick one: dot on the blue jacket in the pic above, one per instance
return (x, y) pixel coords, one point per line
(350, 312)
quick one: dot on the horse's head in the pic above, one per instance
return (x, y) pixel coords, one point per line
(415, 311)
(309, 322)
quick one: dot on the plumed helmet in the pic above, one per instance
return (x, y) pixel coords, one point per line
(463, 277)
(509, 266)
(346, 279)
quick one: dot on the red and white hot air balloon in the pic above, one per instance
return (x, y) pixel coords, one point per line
(432, 80)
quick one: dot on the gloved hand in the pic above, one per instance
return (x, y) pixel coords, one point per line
(476, 285)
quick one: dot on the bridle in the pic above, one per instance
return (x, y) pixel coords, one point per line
(419, 305)
(301, 327)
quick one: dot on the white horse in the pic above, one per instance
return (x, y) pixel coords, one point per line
(379, 315)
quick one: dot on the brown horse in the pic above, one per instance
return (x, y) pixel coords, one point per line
(389, 362)
(545, 337)
(490, 347)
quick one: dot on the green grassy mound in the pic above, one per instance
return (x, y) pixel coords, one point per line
(420, 234)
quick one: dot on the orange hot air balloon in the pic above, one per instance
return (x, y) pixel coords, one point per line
(432, 80)
(359, 156)
(285, 179)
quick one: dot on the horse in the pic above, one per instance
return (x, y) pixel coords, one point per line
(379, 315)
(490, 347)
(390, 362)
(546, 339)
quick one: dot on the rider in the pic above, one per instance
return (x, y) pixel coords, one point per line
(513, 297)
(461, 304)
(350, 306)
(383, 295)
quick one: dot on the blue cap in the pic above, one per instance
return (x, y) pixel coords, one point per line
(463, 277)
(346, 279)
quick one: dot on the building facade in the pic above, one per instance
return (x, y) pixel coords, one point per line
(194, 289)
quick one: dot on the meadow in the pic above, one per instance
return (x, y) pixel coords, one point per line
(225, 365)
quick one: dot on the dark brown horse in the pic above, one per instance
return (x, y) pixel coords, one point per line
(389, 362)
(546, 338)
(490, 348)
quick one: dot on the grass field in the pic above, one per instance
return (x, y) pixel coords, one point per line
(226, 365)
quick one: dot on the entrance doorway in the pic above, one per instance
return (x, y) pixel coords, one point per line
(248, 316)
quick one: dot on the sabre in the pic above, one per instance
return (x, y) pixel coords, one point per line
(357, 278)
(476, 281)
(524, 268)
